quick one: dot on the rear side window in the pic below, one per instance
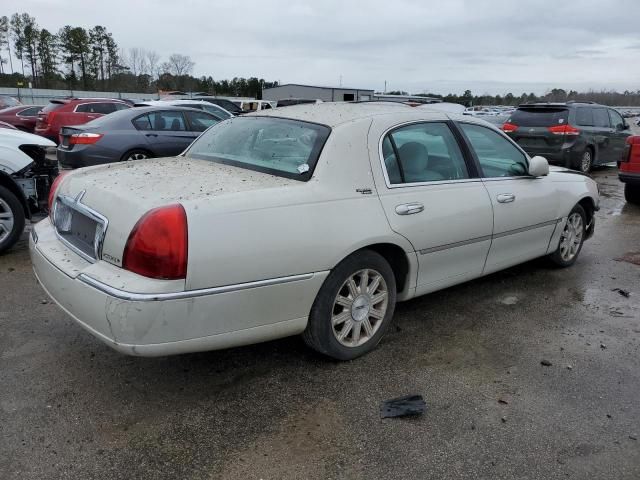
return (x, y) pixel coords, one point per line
(52, 107)
(30, 112)
(100, 108)
(200, 121)
(142, 123)
(498, 157)
(601, 118)
(539, 117)
(423, 152)
(167, 121)
(121, 106)
(584, 116)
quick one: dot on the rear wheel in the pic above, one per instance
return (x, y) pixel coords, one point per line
(632, 193)
(571, 239)
(11, 219)
(353, 308)
(586, 161)
(137, 154)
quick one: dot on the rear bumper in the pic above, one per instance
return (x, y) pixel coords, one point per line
(629, 177)
(141, 321)
(86, 156)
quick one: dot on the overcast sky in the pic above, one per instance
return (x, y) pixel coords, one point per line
(488, 46)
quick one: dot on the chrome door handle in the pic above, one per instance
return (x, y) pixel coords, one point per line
(409, 208)
(506, 198)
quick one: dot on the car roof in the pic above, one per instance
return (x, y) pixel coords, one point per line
(335, 113)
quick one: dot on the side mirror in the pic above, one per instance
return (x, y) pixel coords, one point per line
(538, 166)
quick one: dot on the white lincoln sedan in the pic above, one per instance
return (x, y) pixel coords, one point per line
(313, 220)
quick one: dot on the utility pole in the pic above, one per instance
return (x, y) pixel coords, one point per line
(385, 87)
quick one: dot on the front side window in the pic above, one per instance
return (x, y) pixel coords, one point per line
(498, 157)
(423, 152)
(617, 121)
(283, 147)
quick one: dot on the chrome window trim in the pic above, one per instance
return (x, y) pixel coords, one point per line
(415, 184)
(76, 204)
(154, 297)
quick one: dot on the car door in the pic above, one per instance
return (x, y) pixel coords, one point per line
(524, 208)
(603, 126)
(434, 198)
(620, 132)
(167, 132)
(593, 135)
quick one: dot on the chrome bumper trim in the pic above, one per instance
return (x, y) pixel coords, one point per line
(154, 297)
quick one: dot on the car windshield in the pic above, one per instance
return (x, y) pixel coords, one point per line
(287, 148)
(539, 117)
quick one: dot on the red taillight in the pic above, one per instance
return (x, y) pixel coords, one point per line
(54, 187)
(564, 130)
(84, 138)
(509, 127)
(158, 245)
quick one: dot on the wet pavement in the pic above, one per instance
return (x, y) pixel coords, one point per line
(70, 407)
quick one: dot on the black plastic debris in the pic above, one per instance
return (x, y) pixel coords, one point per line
(622, 291)
(411, 405)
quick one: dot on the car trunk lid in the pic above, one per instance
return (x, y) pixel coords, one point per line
(99, 206)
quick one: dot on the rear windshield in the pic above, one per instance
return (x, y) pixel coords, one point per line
(287, 148)
(52, 106)
(539, 117)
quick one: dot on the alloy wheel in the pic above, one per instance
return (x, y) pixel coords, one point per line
(359, 308)
(6, 220)
(585, 164)
(571, 237)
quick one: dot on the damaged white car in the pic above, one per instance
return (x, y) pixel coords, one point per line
(313, 219)
(25, 179)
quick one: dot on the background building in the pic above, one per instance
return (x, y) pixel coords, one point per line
(309, 92)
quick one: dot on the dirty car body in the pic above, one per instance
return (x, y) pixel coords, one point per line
(314, 219)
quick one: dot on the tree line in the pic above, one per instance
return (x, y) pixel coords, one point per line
(604, 97)
(89, 59)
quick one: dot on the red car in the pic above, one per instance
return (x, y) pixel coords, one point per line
(73, 111)
(23, 117)
(629, 170)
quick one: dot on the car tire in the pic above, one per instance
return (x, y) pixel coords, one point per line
(353, 308)
(585, 164)
(12, 219)
(571, 239)
(632, 193)
(135, 154)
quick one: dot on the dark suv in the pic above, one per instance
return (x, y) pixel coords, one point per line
(574, 135)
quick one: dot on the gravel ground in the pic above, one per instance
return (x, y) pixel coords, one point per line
(70, 407)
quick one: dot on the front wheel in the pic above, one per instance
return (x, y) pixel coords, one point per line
(11, 219)
(353, 308)
(571, 239)
(632, 193)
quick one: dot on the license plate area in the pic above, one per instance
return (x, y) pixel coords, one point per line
(79, 227)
